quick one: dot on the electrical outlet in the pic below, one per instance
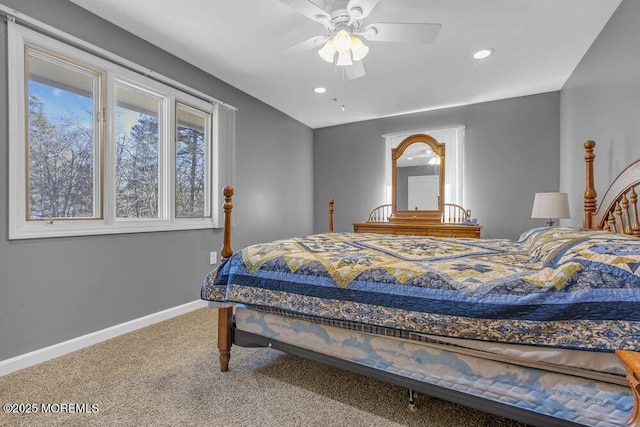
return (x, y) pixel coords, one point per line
(213, 257)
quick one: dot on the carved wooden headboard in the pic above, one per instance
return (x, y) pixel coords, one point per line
(618, 213)
(618, 210)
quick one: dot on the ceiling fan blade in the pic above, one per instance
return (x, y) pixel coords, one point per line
(365, 5)
(354, 71)
(308, 9)
(401, 32)
(313, 42)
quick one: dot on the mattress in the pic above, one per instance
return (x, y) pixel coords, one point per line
(595, 365)
(565, 393)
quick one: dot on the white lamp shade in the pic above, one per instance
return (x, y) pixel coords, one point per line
(342, 41)
(327, 52)
(550, 205)
(344, 58)
(358, 49)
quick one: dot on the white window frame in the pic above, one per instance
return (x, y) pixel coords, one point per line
(22, 228)
(84, 68)
(208, 120)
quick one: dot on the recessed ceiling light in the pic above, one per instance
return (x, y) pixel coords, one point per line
(482, 53)
(320, 90)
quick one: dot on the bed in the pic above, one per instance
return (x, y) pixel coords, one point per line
(539, 329)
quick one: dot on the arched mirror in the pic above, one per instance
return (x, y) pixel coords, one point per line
(417, 167)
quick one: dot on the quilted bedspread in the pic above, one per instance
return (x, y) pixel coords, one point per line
(559, 287)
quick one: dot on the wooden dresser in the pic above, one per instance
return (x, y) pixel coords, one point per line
(434, 230)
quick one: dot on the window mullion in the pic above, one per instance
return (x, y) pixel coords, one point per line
(109, 208)
(213, 159)
(210, 143)
(166, 170)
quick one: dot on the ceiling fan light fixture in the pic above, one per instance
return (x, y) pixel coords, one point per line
(344, 59)
(342, 41)
(327, 52)
(358, 49)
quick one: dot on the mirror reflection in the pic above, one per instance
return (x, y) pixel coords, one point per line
(418, 178)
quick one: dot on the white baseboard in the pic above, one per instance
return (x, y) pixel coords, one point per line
(42, 355)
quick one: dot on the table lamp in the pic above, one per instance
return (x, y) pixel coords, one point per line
(550, 206)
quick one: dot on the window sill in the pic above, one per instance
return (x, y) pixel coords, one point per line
(43, 229)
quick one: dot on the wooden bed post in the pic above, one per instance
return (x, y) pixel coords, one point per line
(227, 250)
(331, 202)
(631, 361)
(225, 314)
(590, 191)
(225, 321)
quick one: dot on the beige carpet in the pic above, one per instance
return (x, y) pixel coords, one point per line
(167, 374)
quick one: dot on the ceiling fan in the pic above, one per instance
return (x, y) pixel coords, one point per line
(344, 22)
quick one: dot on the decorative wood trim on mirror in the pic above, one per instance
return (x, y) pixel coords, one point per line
(416, 216)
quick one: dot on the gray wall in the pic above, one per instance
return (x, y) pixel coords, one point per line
(601, 101)
(511, 152)
(52, 290)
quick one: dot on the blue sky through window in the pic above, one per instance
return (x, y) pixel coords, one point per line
(60, 103)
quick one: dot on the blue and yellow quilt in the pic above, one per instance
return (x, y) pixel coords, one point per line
(559, 287)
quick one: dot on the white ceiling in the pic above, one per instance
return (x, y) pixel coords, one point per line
(537, 45)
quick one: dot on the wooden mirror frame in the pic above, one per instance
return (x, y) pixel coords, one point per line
(414, 216)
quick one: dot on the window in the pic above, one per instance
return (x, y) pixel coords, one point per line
(63, 139)
(97, 148)
(137, 144)
(191, 168)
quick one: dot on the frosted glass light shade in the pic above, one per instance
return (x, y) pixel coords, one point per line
(327, 52)
(344, 58)
(358, 49)
(342, 41)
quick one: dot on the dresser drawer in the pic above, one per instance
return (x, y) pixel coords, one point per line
(372, 229)
(411, 231)
(471, 232)
(435, 230)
